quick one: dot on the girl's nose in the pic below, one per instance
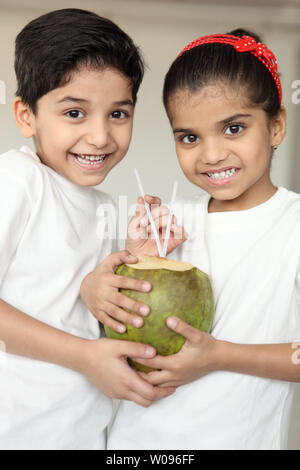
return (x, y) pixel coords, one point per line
(213, 152)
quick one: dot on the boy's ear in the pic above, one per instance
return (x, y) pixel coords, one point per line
(23, 117)
(278, 127)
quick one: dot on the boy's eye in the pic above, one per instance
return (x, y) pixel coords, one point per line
(75, 114)
(119, 114)
(234, 129)
(190, 139)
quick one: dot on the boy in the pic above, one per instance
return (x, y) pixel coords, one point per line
(78, 76)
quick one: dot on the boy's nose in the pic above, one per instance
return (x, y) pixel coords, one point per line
(98, 135)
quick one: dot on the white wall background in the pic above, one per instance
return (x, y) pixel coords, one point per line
(162, 29)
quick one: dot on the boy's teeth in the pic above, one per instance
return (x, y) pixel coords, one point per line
(90, 159)
(222, 174)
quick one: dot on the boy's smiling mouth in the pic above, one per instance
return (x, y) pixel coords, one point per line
(89, 161)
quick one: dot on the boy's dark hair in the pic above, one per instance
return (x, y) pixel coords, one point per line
(52, 46)
(212, 63)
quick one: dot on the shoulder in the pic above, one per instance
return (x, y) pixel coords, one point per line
(22, 166)
(290, 201)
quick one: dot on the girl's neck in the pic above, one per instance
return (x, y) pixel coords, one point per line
(250, 198)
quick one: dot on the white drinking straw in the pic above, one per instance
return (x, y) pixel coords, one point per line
(167, 236)
(139, 182)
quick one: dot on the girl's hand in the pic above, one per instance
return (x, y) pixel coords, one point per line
(140, 238)
(198, 357)
(100, 292)
(103, 362)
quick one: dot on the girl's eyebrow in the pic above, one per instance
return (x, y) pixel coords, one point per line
(185, 131)
(225, 121)
(233, 118)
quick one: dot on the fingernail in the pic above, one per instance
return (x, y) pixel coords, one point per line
(121, 329)
(138, 322)
(150, 351)
(172, 322)
(144, 310)
(146, 286)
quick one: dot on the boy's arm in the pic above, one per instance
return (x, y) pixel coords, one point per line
(102, 361)
(202, 354)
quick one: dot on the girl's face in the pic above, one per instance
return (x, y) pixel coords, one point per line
(224, 145)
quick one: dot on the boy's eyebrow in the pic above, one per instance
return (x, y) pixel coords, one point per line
(73, 99)
(224, 121)
(81, 100)
(123, 103)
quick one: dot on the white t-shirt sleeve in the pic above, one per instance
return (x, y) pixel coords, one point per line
(14, 214)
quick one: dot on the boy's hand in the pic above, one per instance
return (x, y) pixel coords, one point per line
(104, 363)
(140, 239)
(100, 292)
(198, 357)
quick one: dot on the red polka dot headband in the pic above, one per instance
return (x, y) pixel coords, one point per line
(244, 44)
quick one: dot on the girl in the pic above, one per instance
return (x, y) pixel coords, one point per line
(223, 98)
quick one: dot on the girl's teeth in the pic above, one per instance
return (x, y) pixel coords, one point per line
(222, 174)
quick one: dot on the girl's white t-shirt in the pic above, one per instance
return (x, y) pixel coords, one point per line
(52, 233)
(252, 258)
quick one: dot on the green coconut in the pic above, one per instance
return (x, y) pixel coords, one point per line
(178, 289)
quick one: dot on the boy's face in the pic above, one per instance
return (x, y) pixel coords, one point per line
(83, 129)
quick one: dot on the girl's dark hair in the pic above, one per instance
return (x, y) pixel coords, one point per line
(52, 46)
(214, 63)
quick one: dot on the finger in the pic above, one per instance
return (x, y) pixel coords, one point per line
(117, 313)
(157, 362)
(122, 282)
(179, 232)
(106, 320)
(124, 301)
(157, 214)
(152, 200)
(146, 390)
(190, 333)
(114, 260)
(161, 377)
(132, 349)
(159, 394)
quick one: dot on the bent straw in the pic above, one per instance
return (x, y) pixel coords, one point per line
(139, 182)
(167, 236)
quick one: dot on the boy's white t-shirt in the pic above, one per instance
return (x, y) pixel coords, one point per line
(253, 259)
(52, 233)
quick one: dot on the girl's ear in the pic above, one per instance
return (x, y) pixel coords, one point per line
(23, 117)
(278, 127)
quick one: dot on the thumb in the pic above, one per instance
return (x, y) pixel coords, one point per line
(183, 328)
(121, 257)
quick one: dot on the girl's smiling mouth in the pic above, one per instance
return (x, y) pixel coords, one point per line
(222, 176)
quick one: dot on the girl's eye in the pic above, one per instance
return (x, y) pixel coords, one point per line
(190, 139)
(119, 114)
(234, 129)
(75, 114)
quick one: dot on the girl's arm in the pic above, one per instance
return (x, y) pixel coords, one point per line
(202, 354)
(102, 361)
